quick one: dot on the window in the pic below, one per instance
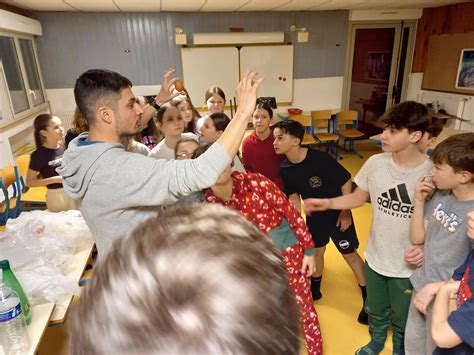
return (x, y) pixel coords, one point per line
(32, 74)
(11, 65)
(25, 92)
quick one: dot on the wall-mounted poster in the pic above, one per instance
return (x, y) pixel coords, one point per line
(465, 77)
(377, 65)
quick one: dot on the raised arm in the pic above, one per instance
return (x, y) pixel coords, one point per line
(345, 202)
(165, 94)
(247, 97)
(246, 93)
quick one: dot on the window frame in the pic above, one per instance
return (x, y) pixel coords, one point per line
(32, 109)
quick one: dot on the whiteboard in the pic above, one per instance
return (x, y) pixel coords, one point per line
(275, 64)
(212, 66)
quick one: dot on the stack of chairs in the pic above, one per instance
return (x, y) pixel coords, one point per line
(10, 185)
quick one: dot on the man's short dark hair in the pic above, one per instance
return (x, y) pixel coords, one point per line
(97, 87)
(456, 151)
(410, 115)
(293, 128)
(197, 279)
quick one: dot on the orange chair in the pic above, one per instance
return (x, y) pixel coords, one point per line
(305, 121)
(32, 199)
(10, 206)
(347, 123)
(321, 122)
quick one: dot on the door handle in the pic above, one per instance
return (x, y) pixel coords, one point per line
(32, 93)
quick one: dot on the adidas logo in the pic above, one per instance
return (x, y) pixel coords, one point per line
(396, 202)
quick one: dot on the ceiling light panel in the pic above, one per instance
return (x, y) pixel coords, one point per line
(338, 5)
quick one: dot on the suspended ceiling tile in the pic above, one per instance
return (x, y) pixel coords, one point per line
(223, 5)
(138, 6)
(264, 5)
(301, 5)
(181, 5)
(41, 5)
(93, 5)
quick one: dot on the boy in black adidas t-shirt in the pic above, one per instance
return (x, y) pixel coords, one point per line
(309, 173)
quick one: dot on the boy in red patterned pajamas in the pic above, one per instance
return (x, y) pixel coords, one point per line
(260, 201)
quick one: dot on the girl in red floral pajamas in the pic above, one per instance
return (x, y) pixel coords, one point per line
(260, 201)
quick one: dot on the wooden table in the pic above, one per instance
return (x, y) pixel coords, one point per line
(40, 315)
(46, 314)
(74, 270)
(445, 133)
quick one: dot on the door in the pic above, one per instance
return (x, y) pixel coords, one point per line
(379, 64)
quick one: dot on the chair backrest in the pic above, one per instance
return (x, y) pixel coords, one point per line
(348, 118)
(303, 119)
(23, 163)
(9, 177)
(305, 122)
(321, 118)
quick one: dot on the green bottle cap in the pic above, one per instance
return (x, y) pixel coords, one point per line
(4, 264)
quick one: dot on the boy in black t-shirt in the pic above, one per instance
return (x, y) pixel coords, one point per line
(309, 173)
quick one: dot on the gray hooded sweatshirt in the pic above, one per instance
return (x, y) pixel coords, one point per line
(117, 190)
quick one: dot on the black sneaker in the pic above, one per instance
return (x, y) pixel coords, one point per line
(363, 317)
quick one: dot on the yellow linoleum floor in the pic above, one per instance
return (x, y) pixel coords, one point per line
(341, 302)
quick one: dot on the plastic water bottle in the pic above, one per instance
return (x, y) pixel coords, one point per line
(13, 334)
(12, 282)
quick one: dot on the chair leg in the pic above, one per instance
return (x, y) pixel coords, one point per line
(352, 149)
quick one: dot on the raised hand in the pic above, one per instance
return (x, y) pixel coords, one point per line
(167, 92)
(246, 93)
(424, 188)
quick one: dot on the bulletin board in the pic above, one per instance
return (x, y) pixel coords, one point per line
(443, 62)
(204, 67)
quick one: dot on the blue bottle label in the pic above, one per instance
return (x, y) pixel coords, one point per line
(10, 314)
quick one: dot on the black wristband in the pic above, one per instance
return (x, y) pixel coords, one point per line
(155, 105)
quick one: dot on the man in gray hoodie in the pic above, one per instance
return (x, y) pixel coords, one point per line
(118, 190)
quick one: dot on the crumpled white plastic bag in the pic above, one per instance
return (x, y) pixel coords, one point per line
(39, 245)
